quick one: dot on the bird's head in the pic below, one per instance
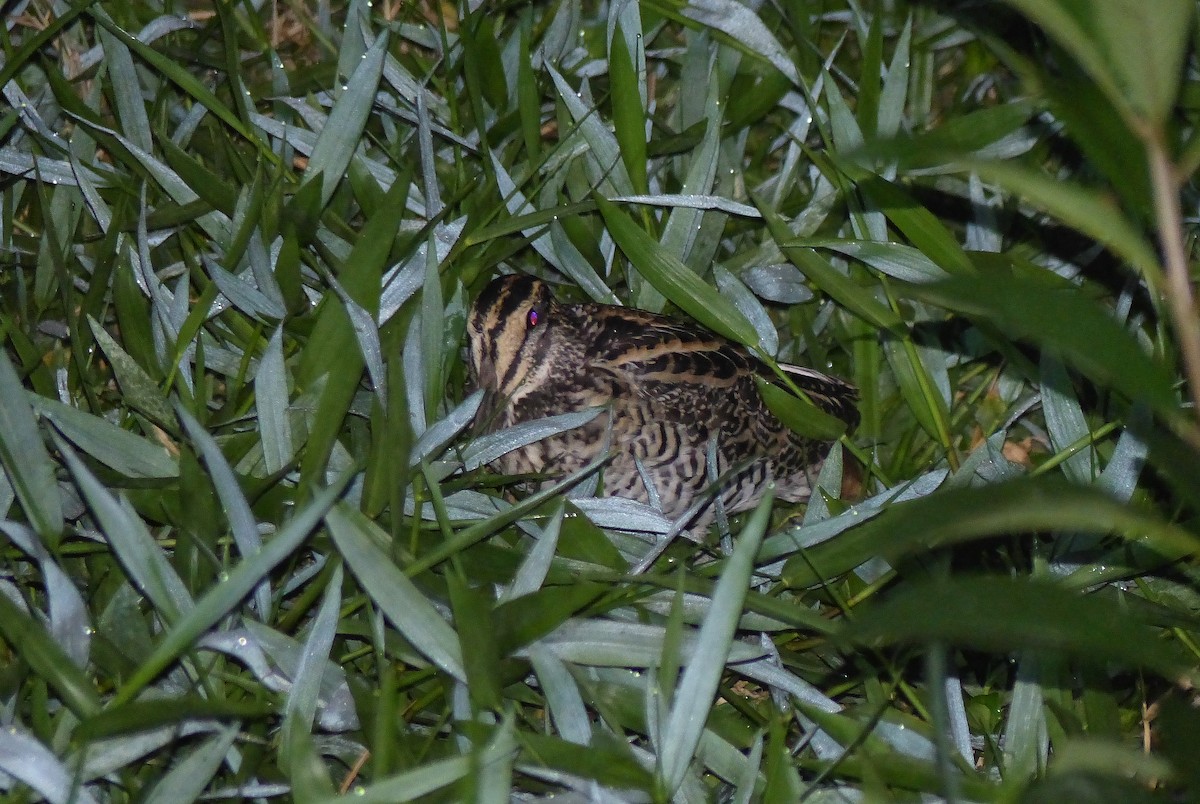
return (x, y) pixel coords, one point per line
(508, 331)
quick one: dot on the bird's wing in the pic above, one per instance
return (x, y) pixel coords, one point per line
(655, 354)
(651, 349)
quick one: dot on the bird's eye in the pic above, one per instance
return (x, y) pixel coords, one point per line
(533, 318)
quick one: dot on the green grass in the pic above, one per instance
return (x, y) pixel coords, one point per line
(252, 547)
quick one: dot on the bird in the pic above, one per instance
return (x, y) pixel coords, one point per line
(664, 387)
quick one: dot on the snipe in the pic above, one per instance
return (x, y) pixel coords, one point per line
(665, 387)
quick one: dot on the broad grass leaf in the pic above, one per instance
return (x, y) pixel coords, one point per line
(145, 563)
(29, 640)
(694, 696)
(1065, 421)
(25, 758)
(894, 93)
(869, 83)
(688, 219)
(445, 429)
(332, 358)
(63, 209)
(524, 221)
(358, 540)
(122, 728)
(126, 90)
(70, 624)
(141, 392)
(485, 75)
(241, 519)
(303, 698)
(752, 772)
(487, 525)
(790, 541)
(746, 31)
(783, 774)
(401, 283)
(969, 514)
(932, 240)
(844, 129)
(432, 325)
(182, 78)
(620, 514)
(96, 205)
(629, 116)
(798, 414)
(1064, 322)
(413, 363)
(521, 622)
(569, 714)
(244, 295)
(608, 643)
(1026, 739)
(602, 145)
(780, 282)
(343, 128)
(25, 457)
(750, 307)
(553, 245)
(1133, 51)
(1004, 614)
(995, 132)
(360, 276)
(267, 653)
(528, 102)
(192, 774)
(138, 309)
(475, 626)
(307, 774)
(916, 374)
(893, 259)
(430, 188)
(233, 589)
(535, 566)
(493, 783)
(366, 335)
(680, 284)
(1089, 211)
(608, 762)
(692, 201)
(880, 763)
(272, 406)
(208, 186)
(839, 287)
(412, 784)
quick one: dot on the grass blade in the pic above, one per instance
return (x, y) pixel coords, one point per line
(357, 538)
(26, 459)
(694, 697)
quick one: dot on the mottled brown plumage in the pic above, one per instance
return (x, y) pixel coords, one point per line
(666, 387)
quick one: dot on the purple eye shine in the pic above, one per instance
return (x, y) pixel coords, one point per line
(533, 318)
